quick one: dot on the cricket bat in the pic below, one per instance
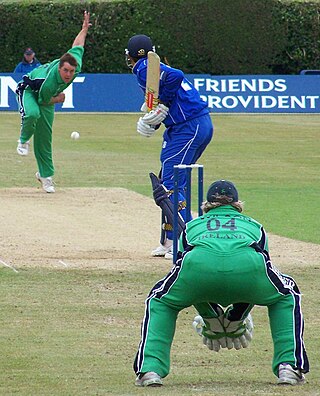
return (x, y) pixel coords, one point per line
(153, 79)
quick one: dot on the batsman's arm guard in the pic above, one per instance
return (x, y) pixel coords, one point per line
(160, 195)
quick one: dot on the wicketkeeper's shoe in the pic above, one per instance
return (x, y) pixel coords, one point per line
(23, 148)
(149, 379)
(161, 250)
(289, 376)
(46, 182)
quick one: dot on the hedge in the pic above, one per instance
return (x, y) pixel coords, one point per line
(199, 36)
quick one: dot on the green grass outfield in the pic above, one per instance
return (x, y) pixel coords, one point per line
(74, 332)
(274, 160)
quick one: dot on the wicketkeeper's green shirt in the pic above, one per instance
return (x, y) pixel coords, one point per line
(224, 230)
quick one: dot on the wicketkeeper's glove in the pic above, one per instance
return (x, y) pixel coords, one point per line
(212, 338)
(240, 331)
(156, 116)
(219, 332)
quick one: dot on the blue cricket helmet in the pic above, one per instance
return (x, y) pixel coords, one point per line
(139, 46)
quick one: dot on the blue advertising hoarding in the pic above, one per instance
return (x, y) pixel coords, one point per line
(224, 94)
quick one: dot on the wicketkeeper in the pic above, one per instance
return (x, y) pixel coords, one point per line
(223, 270)
(37, 94)
(186, 117)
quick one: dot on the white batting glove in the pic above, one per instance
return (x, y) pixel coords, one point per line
(156, 116)
(145, 129)
(144, 108)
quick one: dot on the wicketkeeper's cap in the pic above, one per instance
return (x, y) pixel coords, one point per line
(29, 51)
(139, 46)
(222, 188)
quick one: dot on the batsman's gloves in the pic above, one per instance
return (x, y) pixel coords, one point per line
(219, 332)
(145, 129)
(156, 116)
(144, 108)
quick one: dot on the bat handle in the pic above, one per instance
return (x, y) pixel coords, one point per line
(151, 101)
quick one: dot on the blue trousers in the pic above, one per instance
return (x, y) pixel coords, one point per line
(183, 144)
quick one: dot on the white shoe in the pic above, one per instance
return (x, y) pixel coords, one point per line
(149, 379)
(23, 148)
(47, 183)
(169, 254)
(161, 250)
(289, 376)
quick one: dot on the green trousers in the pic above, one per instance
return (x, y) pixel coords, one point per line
(37, 121)
(246, 277)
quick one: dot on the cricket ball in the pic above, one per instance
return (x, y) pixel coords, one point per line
(75, 135)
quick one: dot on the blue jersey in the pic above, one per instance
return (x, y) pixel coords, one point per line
(175, 91)
(25, 67)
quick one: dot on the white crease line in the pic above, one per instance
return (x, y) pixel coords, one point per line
(63, 263)
(8, 265)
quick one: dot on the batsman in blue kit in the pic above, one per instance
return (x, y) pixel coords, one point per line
(189, 128)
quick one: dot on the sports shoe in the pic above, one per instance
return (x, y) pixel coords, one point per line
(290, 376)
(149, 379)
(23, 148)
(161, 250)
(47, 183)
(169, 254)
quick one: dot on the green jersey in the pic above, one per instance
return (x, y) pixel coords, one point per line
(223, 230)
(45, 80)
(224, 263)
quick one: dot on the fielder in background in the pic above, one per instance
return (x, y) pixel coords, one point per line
(186, 117)
(223, 258)
(28, 62)
(37, 94)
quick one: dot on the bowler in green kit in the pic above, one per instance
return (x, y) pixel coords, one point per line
(37, 94)
(223, 269)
